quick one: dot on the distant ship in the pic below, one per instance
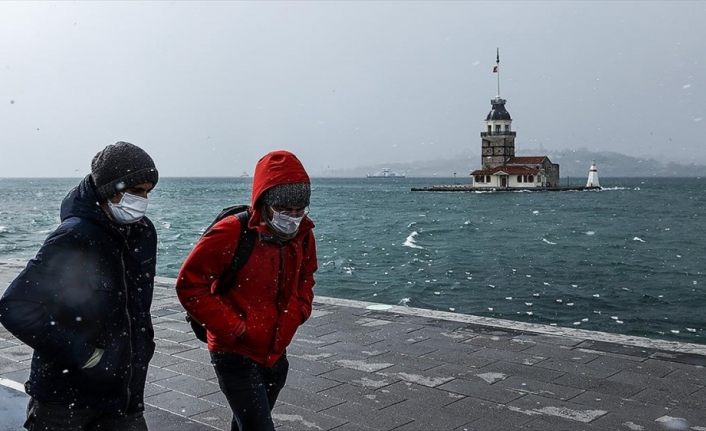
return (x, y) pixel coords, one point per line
(386, 173)
(244, 175)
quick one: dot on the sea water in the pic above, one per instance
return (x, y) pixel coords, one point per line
(628, 259)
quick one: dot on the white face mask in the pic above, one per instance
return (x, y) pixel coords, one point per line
(285, 224)
(130, 209)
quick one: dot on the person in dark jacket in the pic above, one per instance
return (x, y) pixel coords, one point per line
(252, 323)
(83, 303)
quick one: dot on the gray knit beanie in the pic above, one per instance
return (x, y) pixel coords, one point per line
(288, 195)
(120, 166)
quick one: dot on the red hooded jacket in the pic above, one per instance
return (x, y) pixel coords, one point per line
(273, 292)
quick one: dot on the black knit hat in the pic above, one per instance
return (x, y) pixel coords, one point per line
(120, 166)
(288, 195)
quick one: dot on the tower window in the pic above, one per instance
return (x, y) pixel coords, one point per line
(530, 178)
(519, 178)
(507, 127)
(497, 127)
(490, 128)
(487, 178)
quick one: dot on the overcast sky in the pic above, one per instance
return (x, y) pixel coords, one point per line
(207, 88)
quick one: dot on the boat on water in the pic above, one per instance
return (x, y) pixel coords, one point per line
(386, 173)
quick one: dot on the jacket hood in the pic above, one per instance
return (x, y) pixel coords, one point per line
(82, 201)
(273, 169)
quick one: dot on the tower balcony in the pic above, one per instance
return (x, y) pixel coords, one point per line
(498, 133)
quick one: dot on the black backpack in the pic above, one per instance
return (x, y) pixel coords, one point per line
(240, 257)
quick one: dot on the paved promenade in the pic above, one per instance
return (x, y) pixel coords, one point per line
(362, 366)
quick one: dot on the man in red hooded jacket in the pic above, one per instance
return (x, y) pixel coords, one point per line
(252, 323)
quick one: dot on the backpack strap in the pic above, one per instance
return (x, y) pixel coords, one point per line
(246, 243)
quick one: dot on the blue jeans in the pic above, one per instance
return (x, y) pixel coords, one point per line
(64, 417)
(250, 388)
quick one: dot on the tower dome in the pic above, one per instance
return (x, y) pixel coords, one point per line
(498, 111)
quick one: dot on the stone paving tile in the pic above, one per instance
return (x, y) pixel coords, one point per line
(486, 415)
(20, 376)
(170, 347)
(200, 355)
(481, 390)
(310, 363)
(419, 397)
(360, 378)
(176, 325)
(217, 398)
(551, 410)
(362, 338)
(162, 420)
(180, 337)
(195, 369)
(409, 362)
(430, 378)
(311, 383)
(344, 350)
(370, 398)
(552, 339)
(502, 343)
(514, 369)
(648, 367)
(552, 423)
(459, 354)
(219, 418)
(693, 375)
(359, 414)
(599, 385)
(457, 335)
(20, 352)
(298, 418)
(599, 401)
(153, 389)
(575, 367)
(155, 374)
(661, 398)
(663, 385)
(562, 352)
(345, 427)
(322, 330)
(190, 385)
(437, 422)
(179, 404)
(523, 384)
(162, 360)
(620, 349)
(309, 400)
(9, 366)
(682, 358)
(6, 343)
(508, 356)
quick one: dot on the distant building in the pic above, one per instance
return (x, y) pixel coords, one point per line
(500, 168)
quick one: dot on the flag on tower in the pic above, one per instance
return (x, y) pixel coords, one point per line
(497, 61)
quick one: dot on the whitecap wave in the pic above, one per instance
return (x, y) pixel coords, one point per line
(637, 238)
(411, 242)
(548, 242)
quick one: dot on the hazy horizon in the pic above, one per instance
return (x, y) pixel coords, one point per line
(207, 88)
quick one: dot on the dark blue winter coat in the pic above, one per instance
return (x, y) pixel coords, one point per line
(89, 286)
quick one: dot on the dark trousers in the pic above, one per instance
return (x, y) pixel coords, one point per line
(63, 417)
(250, 388)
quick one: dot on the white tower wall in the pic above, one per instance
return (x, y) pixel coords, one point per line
(593, 176)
